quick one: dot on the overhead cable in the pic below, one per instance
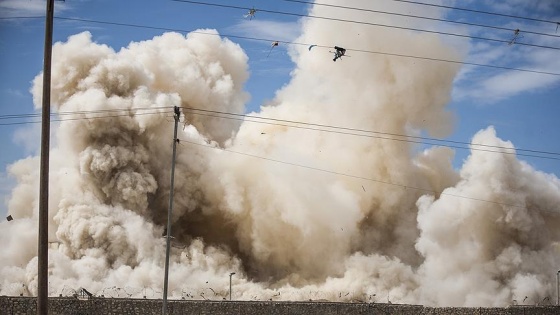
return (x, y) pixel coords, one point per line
(302, 125)
(367, 23)
(377, 134)
(94, 114)
(97, 111)
(21, 17)
(74, 118)
(422, 17)
(425, 190)
(480, 11)
(268, 40)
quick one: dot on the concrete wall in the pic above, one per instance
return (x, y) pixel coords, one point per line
(110, 306)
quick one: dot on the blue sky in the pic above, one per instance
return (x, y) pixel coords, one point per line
(524, 107)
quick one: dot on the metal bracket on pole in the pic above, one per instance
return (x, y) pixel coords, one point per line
(177, 115)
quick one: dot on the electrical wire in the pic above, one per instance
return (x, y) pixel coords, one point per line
(309, 126)
(21, 17)
(368, 23)
(479, 11)
(73, 119)
(407, 139)
(268, 40)
(26, 116)
(274, 160)
(405, 15)
(305, 166)
(375, 134)
(431, 139)
(97, 111)
(425, 190)
(307, 44)
(76, 118)
(422, 17)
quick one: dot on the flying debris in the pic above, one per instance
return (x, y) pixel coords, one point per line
(339, 52)
(250, 14)
(311, 47)
(274, 44)
(9, 218)
(516, 36)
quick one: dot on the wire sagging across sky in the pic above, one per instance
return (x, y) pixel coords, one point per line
(268, 40)
(480, 11)
(82, 115)
(423, 17)
(403, 186)
(114, 113)
(371, 24)
(321, 46)
(376, 134)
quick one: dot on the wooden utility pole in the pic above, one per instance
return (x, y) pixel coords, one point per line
(43, 239)
(169, 211)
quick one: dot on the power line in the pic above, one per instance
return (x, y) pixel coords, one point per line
(313, 168)
(422, 17)
(405, 15)
(455, 62)
(19, 116)
(76, 118)
(480, 11)
(295, 43)
(316, 168)
(23, 116)
(388, 13)
(302, 125)
(377, 134)
(268, 40)
(97, 111)
(181, 141)
(21, 17)
(431, 139)
(368, 23)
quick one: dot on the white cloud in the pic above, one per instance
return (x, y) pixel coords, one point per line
(485, 85)
(523, 6)
(15, 92)
(511, 83)
(266, 29)
(6, 185)
(28, 138)
(13, 8)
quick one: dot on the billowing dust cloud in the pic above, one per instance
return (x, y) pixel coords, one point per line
(296, 213)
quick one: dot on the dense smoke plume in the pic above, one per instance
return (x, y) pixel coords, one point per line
(296, 213)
